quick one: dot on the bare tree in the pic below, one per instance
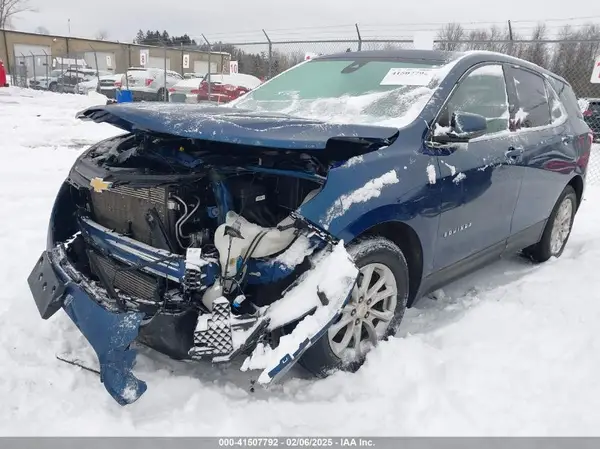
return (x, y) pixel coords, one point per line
(538, 52)
(10, 8)
(450, 35)
(101, 35)
(41, 30)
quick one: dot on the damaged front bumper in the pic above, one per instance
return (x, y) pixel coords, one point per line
(55, 283)
(314, 301)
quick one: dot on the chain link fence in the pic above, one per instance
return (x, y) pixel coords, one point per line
(572, 57)
(79, 72)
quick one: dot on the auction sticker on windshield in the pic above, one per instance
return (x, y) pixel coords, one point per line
(407, 77)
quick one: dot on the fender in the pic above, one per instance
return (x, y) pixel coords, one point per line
(424, 227)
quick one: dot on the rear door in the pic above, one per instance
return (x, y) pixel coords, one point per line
(550, 143)
(479, 184)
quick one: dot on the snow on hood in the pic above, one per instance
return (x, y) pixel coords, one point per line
(238, 126)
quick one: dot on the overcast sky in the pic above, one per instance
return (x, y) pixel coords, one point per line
(242, 20)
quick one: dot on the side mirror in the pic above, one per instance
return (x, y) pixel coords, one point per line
(464, 126)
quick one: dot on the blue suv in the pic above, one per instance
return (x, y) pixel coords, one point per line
(300, 221)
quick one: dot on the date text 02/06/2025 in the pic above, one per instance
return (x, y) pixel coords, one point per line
(293, 442)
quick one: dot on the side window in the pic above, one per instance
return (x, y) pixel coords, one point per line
(482, 92)
(532, 96)
(567, 97)
(557, 110)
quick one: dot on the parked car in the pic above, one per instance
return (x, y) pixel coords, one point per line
(185, 91)
(149, 83)
(591, 115)
(226, 87)
(106, 83)
(43, 82)
(61, 80)
(298, 222)
(188, 76)
(68, 81)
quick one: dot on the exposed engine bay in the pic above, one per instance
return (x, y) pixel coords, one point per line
(227, 214)
(211, 256)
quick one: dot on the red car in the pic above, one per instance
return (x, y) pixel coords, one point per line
(225, 88)
(3, 81)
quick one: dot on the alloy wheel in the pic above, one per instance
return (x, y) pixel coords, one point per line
(561, 226)
(368, 314)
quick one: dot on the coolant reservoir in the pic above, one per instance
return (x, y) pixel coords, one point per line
(212, 293)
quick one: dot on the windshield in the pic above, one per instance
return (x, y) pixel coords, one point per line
(387, 92)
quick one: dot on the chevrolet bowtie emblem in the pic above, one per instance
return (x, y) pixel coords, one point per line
(98, 184)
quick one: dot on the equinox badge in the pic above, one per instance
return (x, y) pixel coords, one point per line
(458, 229)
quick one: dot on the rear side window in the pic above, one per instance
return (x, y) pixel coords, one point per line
(532, 96)
(567, 97)
(557, 110)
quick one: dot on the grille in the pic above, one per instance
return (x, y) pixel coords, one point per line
(124, 210)
(132, 283)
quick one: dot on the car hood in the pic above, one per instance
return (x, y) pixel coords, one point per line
(235, 126)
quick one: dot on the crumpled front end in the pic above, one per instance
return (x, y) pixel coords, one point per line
(210, 265)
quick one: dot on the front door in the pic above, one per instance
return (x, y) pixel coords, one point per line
(479, 181)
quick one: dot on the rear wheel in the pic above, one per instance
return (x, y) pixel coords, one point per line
(162, 95)
(558, 228)
(373, 313)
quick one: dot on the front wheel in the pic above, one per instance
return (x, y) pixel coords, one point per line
(557, 230)
(374, 312)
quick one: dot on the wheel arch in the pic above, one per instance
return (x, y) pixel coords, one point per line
(409, 243)
(577, 183)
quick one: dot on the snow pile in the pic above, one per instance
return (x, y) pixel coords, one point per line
(333, 275)
(511, 350)
(458, 178)
(451, 167)
(303, 297)
(583, 103)
(50, 121)
(296, 253)
(431, 175)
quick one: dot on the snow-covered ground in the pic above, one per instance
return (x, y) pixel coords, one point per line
(511, 350)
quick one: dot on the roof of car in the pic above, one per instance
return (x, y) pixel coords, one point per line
(470, 57)
(424, 55)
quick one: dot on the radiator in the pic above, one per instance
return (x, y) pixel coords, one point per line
(131, 282)
(123, 209)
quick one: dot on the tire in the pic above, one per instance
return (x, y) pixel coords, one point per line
(162, 95)
(53, 87)
(385, 258)
(552, 244)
